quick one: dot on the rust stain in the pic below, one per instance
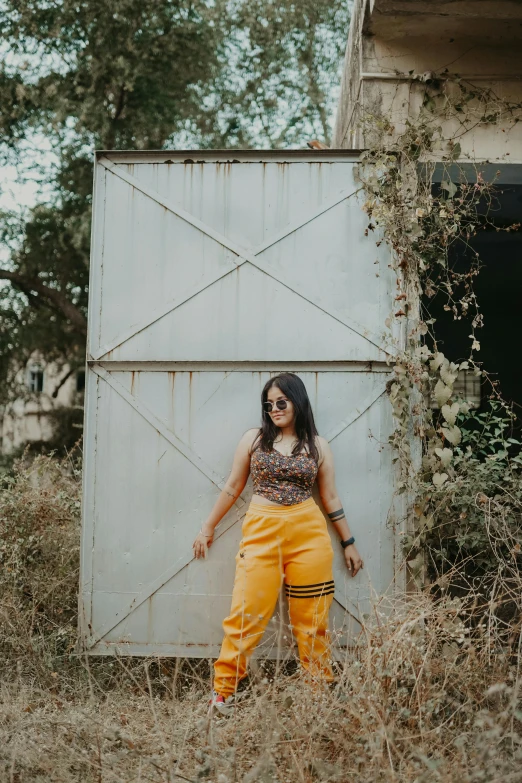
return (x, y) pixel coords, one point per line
(190, 405)
(225, 201)
(149, 618)
(132, 381)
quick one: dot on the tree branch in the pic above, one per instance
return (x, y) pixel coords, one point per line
(53, 296)
(61, 383)
(120, 105)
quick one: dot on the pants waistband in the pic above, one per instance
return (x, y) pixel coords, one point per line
(295, 508)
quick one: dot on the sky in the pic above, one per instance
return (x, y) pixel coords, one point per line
(15, 194)
(20, 188)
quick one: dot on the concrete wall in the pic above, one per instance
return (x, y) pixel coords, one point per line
(394, 42)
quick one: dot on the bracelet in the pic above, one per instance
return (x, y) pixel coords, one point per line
(201, 533)
(348, 541)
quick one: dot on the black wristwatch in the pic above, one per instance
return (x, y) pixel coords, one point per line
(348, 541)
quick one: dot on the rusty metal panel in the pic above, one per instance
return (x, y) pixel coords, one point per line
(206, 278)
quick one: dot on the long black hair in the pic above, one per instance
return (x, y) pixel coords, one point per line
(293, 388)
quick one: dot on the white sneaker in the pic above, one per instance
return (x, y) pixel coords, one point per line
(218, 703)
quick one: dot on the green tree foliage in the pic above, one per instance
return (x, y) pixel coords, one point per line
(80, 75)
(283, 61)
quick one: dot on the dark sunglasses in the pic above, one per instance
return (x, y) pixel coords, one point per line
(280, 404)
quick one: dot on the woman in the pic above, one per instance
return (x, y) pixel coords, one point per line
(285, 537)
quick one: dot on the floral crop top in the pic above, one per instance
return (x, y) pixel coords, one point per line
(281, 478)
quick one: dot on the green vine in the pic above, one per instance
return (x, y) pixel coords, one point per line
(421, 228)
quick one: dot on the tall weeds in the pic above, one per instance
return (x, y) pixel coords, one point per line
(433, 694)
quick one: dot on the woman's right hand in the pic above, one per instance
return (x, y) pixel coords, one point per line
(228, 495)
(202, 542)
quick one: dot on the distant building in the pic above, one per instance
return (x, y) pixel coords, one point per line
(48, 387)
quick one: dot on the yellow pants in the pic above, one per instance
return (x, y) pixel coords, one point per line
(289, 543)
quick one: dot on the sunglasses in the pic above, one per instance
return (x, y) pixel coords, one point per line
(280, 405)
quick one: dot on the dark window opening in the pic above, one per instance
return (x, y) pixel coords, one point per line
(35, 380)
(498, 287)
(80, 380)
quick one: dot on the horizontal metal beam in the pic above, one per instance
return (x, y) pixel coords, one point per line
(229, 156)
(115, 365)
(179, 650)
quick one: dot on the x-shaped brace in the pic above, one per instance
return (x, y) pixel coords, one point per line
(186, 557)
(243, 255)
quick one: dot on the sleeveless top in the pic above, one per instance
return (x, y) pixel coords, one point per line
(281, 478)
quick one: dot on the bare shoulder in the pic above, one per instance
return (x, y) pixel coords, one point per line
(323, 447)
(249, 437)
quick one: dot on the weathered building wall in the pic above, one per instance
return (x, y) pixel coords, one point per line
(394, 42)
(26, 419)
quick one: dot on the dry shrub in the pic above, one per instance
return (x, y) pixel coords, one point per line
(40, 501)
(433, 693)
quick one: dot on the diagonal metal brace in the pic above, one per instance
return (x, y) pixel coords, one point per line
(188, 556)
(243, 254)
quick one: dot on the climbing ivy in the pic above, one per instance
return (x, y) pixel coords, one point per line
(421, 226)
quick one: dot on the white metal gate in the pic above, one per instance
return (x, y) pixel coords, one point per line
(210, 272)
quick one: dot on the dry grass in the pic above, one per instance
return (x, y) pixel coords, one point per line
(434, 696)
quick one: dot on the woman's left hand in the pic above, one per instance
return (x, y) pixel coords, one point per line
(353, 559)
(202, 543)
